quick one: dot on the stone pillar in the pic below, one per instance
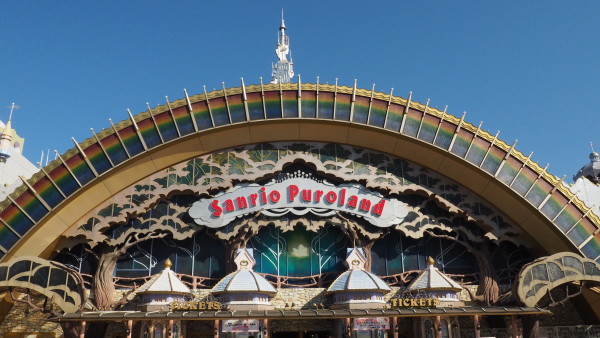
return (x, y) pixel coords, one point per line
(416, 324)
(129, 328)
(438, 327)
(477, 326)
(394, 326)
(170, 332)
(265, 328)
(348, 327)
(531, 326)
(513, 326)
(216, 329)
(82, 332)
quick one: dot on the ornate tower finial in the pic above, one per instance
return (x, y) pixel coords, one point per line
(12, 108)
(6, 137)
(283, 70)
(168, 264)
(594, 156)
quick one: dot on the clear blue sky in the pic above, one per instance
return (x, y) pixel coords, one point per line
(530, 69)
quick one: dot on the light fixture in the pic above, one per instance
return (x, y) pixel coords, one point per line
(127, 331)
(478, 326)
(396, 328)
(168, 332)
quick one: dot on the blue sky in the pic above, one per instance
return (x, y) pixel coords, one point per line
(530, 69)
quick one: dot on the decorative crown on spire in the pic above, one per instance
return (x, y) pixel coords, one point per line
(6, 137)
(244, 259)
(356, 259)
(283, 70)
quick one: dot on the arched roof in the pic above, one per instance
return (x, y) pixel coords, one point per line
(35, 214)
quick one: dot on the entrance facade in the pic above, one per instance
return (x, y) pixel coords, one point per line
(299, 176)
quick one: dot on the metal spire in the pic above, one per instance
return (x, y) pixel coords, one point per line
(282, 22)
(12, 108)
(6, 137)
(283, 70)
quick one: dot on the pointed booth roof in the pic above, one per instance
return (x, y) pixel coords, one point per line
(357, 278)
(431, 279)
(165, 282)
(244, 279)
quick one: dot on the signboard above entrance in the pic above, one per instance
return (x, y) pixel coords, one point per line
(299, 196)
(367, 324)
(240, 325)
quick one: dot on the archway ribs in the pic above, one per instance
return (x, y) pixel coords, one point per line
(90, 161)
(538, 278)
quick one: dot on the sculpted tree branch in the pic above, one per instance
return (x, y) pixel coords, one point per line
(45, 308)
(70, 329)
(362, 238)
(237, 241)
(488, 291)
(566, 296)
(103, 287)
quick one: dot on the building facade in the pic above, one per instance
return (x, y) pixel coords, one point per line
(337, 196)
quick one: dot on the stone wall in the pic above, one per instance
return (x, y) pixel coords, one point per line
(21, 320)
(300, 298)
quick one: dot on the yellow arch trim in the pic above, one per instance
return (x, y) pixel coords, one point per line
(39, 243)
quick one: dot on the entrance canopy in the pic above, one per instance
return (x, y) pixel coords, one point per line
(301, 314)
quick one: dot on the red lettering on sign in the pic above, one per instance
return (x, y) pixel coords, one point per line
(365, 205)
(378, 208)
(353, 201)
(274, 196)
(241, 202)
(306, 195)
(296, 194)
(342, 196)
(331, 197)
(229, 206)
(217, 209)
(318, 195)
(263, 196)
(294, 190)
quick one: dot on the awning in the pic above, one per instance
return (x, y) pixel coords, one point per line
(297, 314)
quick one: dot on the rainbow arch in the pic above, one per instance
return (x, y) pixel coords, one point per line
(53, 199)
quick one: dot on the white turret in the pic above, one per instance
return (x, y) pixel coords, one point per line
(13, 165)
(283, 70)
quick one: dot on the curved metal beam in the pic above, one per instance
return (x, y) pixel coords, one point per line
(536, 279)
(520, 188)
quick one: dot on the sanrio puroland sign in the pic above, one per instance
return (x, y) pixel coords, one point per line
(298, 195)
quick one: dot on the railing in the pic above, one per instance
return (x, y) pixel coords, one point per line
(320, 280)
(193, 282)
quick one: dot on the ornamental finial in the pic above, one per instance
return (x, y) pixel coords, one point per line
(283, 70)
(168, 264)
(430, 261)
